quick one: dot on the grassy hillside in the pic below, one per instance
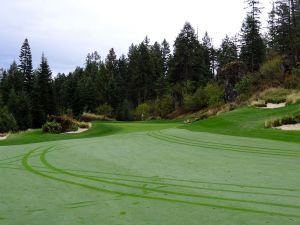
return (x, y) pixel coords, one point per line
(248, 122)
(98, 129)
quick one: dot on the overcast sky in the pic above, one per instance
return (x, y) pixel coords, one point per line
(66, 30)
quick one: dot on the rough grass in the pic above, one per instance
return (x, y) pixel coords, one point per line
(275, 95)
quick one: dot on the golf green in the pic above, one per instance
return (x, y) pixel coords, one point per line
(151, 174)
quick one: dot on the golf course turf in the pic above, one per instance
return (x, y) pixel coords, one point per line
(226, 170)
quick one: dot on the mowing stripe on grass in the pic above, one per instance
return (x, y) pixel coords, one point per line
(225, 144)
(215, 147)
(29, 168)
(50, 166)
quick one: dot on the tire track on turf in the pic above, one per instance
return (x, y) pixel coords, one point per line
(225, 144)
(50, 166)
(29, 168)
(215, 147)
(150, 181)
(190, 181)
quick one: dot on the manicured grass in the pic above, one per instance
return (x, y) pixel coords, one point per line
(98, 129)
(169, 176)
(153, 173)
(248, 122)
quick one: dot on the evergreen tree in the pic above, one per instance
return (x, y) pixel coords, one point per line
(134, 86)
(188, 63)
(18, 105)
(272, 28)
(209, 53)
(43, 99)
(166, 54)
(25, 66)
(158, 80)
(252, 44)
(227, 53)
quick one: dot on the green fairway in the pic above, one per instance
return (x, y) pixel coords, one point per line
(149, 174)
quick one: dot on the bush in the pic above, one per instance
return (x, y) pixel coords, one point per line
(88, 117)
(215, 94)
(143, 111)
(104, 110)
(293, 98)
(291, 82)
(164, 106)
(124, 111)
(83, 125)
(274, 95)
(245, 85)
(67, 123)
(276, 122)
(189, 103)
(201, 98)
(7, 121)
(272, 69)
(52, 127)
(197, 101)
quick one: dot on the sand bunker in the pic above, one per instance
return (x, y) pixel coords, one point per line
(80, 130)
(289, 127)
(274, 106)
(4, 137)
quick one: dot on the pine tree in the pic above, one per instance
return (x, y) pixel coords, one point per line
(18, 105)
(209, 53)
(166, 54)
(272, 28)
(227, 53)
(25, 66)
(43, 99)
(188, 59)
(252, 44)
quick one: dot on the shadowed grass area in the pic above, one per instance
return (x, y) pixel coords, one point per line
(248, 122)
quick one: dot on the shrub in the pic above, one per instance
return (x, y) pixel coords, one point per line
(67, 123)
(7, 121)
(259, 103)
(274, 95)
(200, 98)
(143, 111)
(104, 109)
(215, 94)
(291, 82)
(272, 69)
(197, 101)
(164, 106)
(245, 85)
(88, 117)
(52, 127)
(124, 111)
(276, 122)
(293, 98)
(83, 125)
(189, 103)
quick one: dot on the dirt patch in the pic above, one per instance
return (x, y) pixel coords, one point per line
(289, 127)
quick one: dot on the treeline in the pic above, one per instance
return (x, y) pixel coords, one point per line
(152, 81)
